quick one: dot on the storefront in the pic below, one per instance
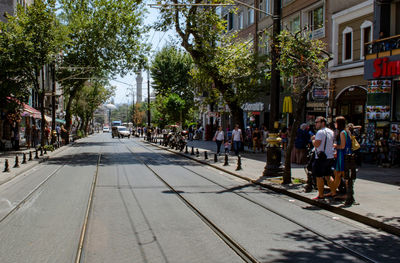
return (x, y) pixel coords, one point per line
(351, 103)
(253, 114)
(383, 106)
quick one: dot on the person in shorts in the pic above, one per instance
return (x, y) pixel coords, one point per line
(324, 155)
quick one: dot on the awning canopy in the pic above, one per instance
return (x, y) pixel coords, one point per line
(31, 112)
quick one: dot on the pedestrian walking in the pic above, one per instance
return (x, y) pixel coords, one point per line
(219, 138)
(35, 136)
(324, 158)
(58, 130)
(226, 146)
(237, 139)
(284, 136)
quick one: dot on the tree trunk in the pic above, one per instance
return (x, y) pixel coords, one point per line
(299, 109)
(68, 115)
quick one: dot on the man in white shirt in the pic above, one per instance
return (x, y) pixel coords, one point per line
(324, 155)
(237, 138)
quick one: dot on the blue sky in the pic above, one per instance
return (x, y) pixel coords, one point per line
(158, 40)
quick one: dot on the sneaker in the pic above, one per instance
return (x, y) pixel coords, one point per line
(318, 198)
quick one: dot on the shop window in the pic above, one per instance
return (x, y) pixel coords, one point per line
(240, 20)
(250, 15)
(366, 35)
(267, 7)
(347, 45)
(261, 7)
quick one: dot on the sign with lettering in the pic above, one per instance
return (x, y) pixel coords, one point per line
(258, 106)
(387, 67)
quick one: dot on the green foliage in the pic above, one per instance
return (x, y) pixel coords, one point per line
(222, 59)
(28, 41)
(169, 109)
(106, 40)
(170, 73)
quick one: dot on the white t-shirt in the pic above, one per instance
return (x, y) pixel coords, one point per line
(236, 135)
(321, 136)
(219, 135)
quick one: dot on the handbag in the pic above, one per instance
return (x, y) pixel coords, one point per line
(354, 143)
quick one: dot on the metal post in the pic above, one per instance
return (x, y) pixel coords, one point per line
(24, 158)
(30, 156)
(239, 163)
(148, 98)
(215, 158)
(53, 101)
(205, 155)
(226, 163)
(192, 153)
(16, 165)
(6, 167)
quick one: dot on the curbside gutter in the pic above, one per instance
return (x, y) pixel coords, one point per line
(337, 210)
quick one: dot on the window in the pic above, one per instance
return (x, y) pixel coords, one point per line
(230, 21)
(240, 20)
(267, 7)
(250, 15)
(260, 6)
(294, 24)
(347, 47)
(316, 18)
(366, 35)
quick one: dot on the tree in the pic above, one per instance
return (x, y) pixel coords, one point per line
(139, 114)
(303, 63)
(106, 40)
(170, 71)
(34, 37)
(201, 33)
(88, 100)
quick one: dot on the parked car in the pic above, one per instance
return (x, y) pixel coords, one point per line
(106, 129)
(120, 132)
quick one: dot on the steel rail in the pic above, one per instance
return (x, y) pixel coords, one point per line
(87, 214)
(30, 194)
(235, 246)
(351, 251)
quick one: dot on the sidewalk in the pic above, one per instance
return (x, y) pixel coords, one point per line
(10, 156)
(377, 190)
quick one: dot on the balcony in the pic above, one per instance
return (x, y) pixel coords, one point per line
(385, 47)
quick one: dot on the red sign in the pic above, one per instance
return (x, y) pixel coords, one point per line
(385, 68)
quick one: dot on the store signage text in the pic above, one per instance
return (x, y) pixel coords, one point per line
(258, 106)
(385, 68)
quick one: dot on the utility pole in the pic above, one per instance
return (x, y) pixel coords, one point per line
(148, 98)
(53, 101)
(275, 74)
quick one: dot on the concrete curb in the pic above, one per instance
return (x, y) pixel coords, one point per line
(337, 210)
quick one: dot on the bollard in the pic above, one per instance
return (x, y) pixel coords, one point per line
(181, 148)
(192, 153)
(160, 142)
(45, 151)
(41, 151)
(205, 155)
(24, 158)
(30, 156)
(6, 167)
(215, 158)
(186, 150)
(226, 163)
(36, 154)
(16, 165)
(197, 152)
(239, 163)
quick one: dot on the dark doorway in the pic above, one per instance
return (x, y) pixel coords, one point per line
(351, 105)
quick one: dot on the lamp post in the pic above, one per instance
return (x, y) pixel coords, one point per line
(148, 98)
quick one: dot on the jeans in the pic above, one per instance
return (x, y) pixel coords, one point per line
(236, 147)
(218, 146)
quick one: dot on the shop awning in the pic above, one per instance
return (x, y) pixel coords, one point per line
(31, 112)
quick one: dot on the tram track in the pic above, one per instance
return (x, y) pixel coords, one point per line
(234, 245)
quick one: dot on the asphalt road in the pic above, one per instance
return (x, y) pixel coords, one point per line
(136, 217)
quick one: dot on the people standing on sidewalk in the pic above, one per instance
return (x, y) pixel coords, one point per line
(28, 133)
(265, 135)
(237, 139)
(256, 140)
(300, 145)
(219, 138)
(284, 136)
(343, 147)
(324, 158)
(35, 136)
(58, 130)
